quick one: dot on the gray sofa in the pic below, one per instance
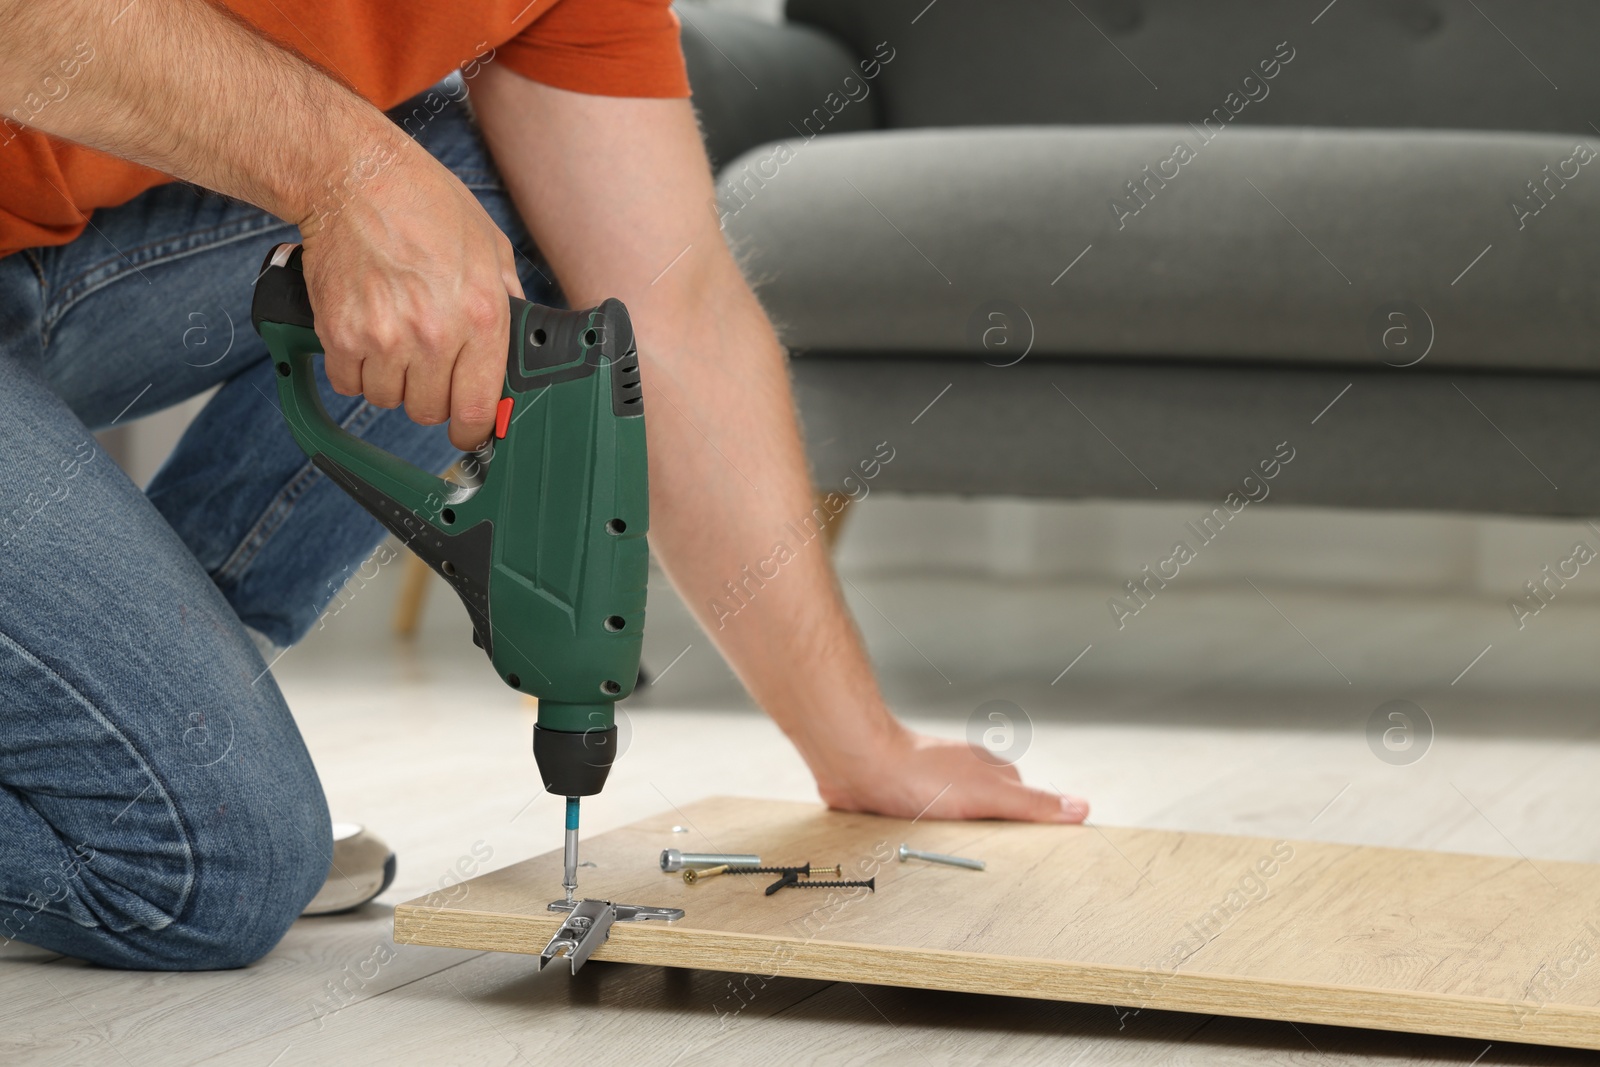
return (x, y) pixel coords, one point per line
(1378, 242)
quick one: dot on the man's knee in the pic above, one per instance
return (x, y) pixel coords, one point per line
(245, 920)
(245, 892)
(245, 900)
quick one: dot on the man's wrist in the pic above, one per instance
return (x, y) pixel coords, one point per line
(348, 168)
(836, 746)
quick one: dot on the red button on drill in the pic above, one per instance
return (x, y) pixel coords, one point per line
(502, 416)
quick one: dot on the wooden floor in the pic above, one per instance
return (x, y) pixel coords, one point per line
(1217, 716)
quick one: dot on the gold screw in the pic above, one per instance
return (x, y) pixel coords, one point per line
(692, 875)
(836, 871)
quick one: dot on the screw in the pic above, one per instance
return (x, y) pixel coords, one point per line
(691, 875)
(804, 869)
(909, 853)
(791, 880)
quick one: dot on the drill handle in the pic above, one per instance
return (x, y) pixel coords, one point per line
(554, 529)
(282, 314)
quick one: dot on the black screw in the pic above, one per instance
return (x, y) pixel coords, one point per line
(804, 869)
(791, 880)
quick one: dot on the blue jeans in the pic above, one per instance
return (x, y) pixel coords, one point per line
(158, 808)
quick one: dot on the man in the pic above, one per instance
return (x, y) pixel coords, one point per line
(126, 616)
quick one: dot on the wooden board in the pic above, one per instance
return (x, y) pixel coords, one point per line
(1471, 946)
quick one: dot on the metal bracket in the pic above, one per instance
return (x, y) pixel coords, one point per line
(585, 930)
(589, 925)
(624, 913)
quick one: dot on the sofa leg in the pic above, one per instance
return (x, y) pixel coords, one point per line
(413, 595)
(831, 532)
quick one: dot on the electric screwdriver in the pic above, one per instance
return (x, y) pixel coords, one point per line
(543, 538)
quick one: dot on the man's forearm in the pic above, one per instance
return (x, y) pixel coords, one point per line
(619, 197)
(731, 489)
(188, 90)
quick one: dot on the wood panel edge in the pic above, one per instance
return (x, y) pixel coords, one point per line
(1134, 989)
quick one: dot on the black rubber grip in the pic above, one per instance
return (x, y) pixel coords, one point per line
(281, 294)
(574, 763)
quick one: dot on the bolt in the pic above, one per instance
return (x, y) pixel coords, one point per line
(692, 875)
(909, 853)
(673, 860)
(805, 870)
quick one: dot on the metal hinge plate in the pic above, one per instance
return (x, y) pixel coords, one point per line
(589, 924)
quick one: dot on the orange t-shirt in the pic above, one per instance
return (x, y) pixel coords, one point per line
(386, 50)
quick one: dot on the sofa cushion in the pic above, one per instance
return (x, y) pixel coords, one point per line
(1471, 64)
(1282, 245)
(756, 81)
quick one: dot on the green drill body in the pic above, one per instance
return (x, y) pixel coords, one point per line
(547, 551)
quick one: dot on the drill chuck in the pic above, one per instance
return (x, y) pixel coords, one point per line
(574, 763)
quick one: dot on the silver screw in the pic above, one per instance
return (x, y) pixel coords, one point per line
(909, 853)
